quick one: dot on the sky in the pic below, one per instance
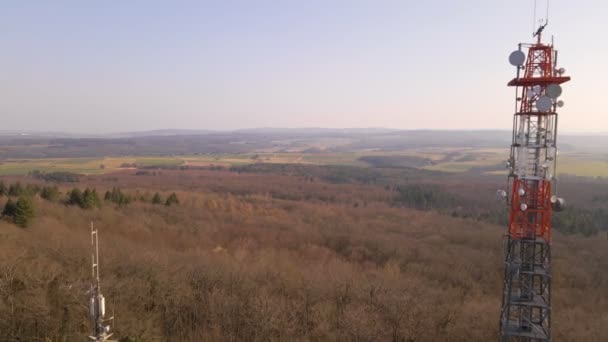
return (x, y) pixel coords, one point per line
(117, 66)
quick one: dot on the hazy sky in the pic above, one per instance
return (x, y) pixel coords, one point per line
(99, 66)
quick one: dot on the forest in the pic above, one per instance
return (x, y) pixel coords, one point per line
(279, 253)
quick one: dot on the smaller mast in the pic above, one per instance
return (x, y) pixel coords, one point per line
(101, 331)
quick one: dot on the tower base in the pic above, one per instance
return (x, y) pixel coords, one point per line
(526, 302)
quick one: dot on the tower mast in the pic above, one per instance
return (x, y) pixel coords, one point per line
(526, 299)
(97, 301)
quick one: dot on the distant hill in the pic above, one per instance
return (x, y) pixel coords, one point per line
(178, 141)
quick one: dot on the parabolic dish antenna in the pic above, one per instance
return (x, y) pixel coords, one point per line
(536, 90)
(560, 103)
(530, 93)
(543, 104)
(517, 58)
(553, 91)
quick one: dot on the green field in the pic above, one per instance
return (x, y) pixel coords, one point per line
(585, 165)
(446, 160)
(80, 165)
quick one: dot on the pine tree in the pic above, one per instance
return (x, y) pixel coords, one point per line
(15, 189)
(49, 193)
(117, 196)
(24, 211)
(172, 199)
(31, 189)
(75, 197)
(9, 209)
(157, 199)
(90, 199)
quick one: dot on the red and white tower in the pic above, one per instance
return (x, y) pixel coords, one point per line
(526, 302)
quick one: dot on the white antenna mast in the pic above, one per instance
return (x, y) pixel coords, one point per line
(101, 331)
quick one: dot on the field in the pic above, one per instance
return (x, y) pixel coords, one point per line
(480, 160)
(479, 152)
(253, 256)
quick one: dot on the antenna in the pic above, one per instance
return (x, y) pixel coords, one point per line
(543, 22)
(101, 331)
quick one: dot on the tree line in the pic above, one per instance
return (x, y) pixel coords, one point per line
(19, 207)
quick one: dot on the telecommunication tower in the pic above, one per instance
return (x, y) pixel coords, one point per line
(526, 299)
(97, 303)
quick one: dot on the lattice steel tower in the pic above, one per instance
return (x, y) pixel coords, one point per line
(526, 301)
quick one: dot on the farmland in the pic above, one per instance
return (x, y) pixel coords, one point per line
(482, 160)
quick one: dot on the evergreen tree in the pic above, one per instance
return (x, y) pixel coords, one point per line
(24, 211)
(117, 196)
(31, 189)
(9, 209)
(75, 197)
(15, 189)
(49, 193)
(157, 199)
(3, 189)
(94, 198)
(172, 199)
(90, 199)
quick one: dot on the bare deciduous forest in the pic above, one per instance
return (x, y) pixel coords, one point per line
(258, 256)
(399, 171)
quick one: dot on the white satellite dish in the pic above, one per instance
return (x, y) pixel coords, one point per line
(536, 90)
(530, 93)
(544, 103)
(560, 103)
(517, 58)
(553, 91)
(562, 70)
(523, 207)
